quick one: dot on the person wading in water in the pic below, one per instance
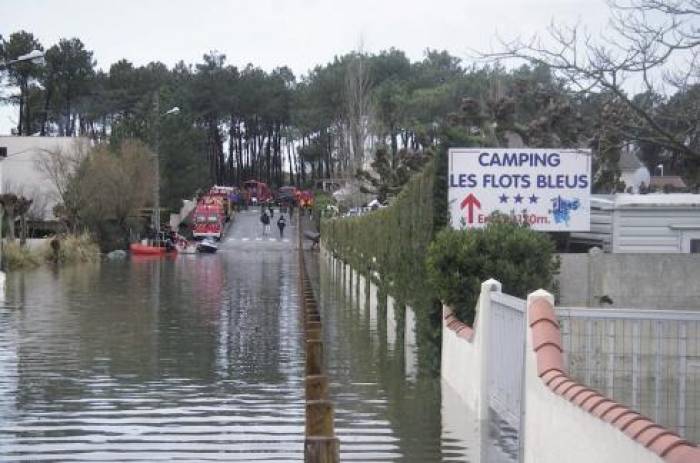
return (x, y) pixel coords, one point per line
(265, 219)
(281, 223)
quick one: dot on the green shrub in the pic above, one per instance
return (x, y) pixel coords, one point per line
(16, 257)
(323, 206)
(458, 262)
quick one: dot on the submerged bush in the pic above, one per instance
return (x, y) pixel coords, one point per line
(458, 262)
(17, 257)
(72, 249)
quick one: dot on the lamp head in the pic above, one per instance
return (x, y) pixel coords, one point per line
(34, 56)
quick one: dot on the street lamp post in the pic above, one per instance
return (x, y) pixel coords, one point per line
(37, 57)
(34, 56)
(156, 180)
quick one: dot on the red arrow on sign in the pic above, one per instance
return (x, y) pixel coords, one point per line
(471, 201)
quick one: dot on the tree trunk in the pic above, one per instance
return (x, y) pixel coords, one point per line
(239, 153)
(22, 229)
(28, 117)
(231, 150)
(10, 225)
(47, 101)
(291, 164)
(69, 119)
(268, 156)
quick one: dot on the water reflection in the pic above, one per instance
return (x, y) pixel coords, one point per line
(154, 360)
(388, 409)
(200, 358)
(381, 414)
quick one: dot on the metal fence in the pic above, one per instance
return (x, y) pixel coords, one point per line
(506, 357)
(646, 359)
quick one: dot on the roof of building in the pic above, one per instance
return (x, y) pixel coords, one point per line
(626, 200)
(629, 161)
(671, 180)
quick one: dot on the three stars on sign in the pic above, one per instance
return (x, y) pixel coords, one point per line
(518, 199)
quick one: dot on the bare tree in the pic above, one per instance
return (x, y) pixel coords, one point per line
(60, 167)
(358, 104)
(8, 205)
(116, 184)
(23, 206)
(653, 43)
(31, 205)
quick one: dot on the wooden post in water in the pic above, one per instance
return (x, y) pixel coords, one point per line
(316, 387)
(319, 449)
(320, 444)
(319, 418)
(314, 357)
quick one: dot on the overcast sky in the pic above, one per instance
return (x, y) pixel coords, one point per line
(296, 33)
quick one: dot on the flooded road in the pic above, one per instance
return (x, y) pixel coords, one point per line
(199, 357)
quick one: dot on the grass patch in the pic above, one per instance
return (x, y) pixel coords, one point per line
(72, 249)
(16, 257)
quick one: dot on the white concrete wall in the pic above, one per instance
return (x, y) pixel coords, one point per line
(460, 427)
(630, 280)
(556, 430)
(460, 367)
(362, 287)
(37, 243)
(410, 347)
(391, 325)
(464, 362)
(373, 307)
(346, 278)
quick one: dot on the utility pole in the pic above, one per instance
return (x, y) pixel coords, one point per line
(156, 168)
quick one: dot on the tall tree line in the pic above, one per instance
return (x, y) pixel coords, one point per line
(237, 123)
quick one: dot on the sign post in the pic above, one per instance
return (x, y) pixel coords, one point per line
(548, 189)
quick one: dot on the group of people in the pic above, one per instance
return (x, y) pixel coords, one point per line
(266, 218)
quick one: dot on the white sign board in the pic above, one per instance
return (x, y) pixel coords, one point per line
(549, 189)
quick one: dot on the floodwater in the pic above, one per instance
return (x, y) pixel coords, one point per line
(200, 357)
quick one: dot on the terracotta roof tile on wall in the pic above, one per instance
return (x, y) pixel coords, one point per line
(546, 341)
(452, 323)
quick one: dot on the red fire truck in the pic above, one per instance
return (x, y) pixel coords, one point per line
(256, 192)
(209, 218)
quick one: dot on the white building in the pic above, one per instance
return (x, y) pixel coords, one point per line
(652, 223)
(632, 171)
(20, 171)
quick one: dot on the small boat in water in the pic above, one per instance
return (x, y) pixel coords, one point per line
(140, 249)
(207, 246)
(164, 243)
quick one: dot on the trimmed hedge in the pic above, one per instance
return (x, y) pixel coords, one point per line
(396, 243)
(458, 262)
(393, 241)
